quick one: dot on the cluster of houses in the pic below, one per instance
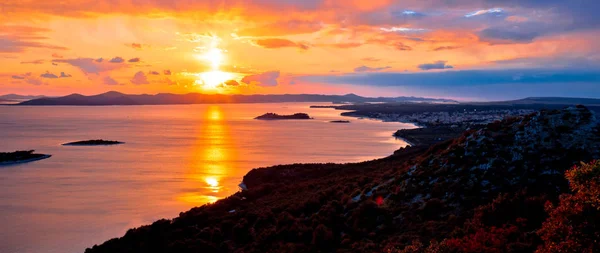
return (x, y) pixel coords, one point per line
(454, 119)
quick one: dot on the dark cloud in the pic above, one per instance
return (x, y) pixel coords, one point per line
(167, 72)
(442, 48)
(264, 79)
(140, 78)
(136, 45)
(18, 77)
(64, 75)
(99, 60)
(117, 60)
(55, 55)
(48, 75)
(279, 43)
(154, 73)
(435, 65)
(512, 34)
(369, 69)
(134, 60)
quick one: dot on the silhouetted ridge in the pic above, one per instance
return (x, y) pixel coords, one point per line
(482, 192)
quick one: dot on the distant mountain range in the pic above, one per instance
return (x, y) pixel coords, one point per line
(117, 98)
(549, 100)
(15, 98)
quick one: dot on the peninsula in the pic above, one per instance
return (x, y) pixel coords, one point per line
(275, 116)
(8, 158)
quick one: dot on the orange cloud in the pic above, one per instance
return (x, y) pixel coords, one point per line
(279, 43)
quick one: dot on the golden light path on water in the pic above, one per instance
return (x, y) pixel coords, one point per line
(211, 162)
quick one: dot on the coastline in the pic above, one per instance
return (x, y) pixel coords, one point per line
(25, 161)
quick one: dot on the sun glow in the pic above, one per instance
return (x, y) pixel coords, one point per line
(211, 80)
(214, 79)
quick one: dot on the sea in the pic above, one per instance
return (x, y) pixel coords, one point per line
(175, 157)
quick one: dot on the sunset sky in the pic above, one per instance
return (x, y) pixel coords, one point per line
(462, 49)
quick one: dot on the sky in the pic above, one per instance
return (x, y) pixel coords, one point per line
(460, 49)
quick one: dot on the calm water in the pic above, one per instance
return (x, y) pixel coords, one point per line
(175, 158)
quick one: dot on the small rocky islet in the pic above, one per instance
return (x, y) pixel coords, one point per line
(275, 116)
(98, 142)
(22, 156)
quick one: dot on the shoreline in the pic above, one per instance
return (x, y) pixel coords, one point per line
(25, 161)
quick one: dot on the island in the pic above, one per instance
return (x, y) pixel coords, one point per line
(275, 116)
(93, 143)
(8, 158)
(339, 121)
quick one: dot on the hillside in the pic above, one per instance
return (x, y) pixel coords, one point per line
(485, 191)
(117, 98)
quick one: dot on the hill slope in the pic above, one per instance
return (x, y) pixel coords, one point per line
(482, 192)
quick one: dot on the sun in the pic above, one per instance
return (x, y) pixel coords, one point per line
(213, 79)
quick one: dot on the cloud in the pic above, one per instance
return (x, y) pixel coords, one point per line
(154, 73)
(435, 65)
(140, 78)
(168, 81)
(33, 62)
(520, 34)
(18, 39)
(18, 77)
(55, 55)
(64, 75)
(34, 81)
(446, 48)
(54, 64)
(370, 59)
(167, 72)
(465, 78)
(91, 66)
(264, 79)
(117, 60)
(134, 60)
(109, 81)
(369, 69)
(493, 11)
(48, 75)
(232, 83)
(282, 28)
(402, 29)
(136, 45)
(279, 43)
(402, 47)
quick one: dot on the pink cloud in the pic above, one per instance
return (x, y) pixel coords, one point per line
(264, 79)
(140, 78)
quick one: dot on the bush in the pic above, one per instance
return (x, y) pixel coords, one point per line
(574, 225)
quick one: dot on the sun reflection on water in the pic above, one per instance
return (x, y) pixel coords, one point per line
(210, 160)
